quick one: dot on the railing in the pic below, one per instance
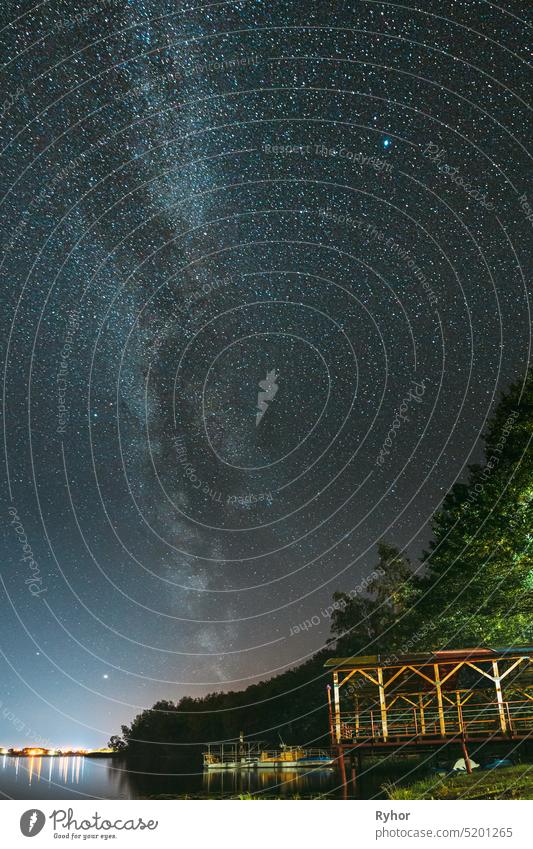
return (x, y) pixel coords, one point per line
(484, 719)
(231, 753)
(226, 754)
(292, 754)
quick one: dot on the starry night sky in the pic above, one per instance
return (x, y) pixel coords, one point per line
(194, 196)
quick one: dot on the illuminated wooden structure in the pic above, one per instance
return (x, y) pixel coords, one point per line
(474, 694)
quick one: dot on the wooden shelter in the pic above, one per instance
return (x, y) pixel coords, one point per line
(471, 694)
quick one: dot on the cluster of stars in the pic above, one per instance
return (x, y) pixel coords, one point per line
(173, 174)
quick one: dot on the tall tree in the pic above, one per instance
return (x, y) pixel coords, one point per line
(371, 621)
(479, 579)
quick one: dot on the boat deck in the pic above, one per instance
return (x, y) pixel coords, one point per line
(247, 756)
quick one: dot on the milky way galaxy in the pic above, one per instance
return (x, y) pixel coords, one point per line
(316, 212)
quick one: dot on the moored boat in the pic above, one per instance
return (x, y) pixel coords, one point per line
(243, 755)
(294, 758)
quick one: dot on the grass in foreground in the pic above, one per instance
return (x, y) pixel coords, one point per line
(243, 797)
(515, 782)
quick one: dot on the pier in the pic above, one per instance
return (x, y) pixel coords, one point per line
(421, 701)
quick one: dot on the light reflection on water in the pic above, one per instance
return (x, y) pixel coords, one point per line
(42, 777)
(280, 782)
(72, 777)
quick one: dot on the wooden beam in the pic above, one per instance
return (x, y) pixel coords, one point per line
(455, 668)
(499, 696)
(396, 674)
(336, 702)
(406, 699)
(459, 713)
(347, 677)
(473, 666)
(439, 700)
(527, 695)
(370, 677)
(330, 713)
(382, 704)
(514, 665)
(421, 674)
(422, 715)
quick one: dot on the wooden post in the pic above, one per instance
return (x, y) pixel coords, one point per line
(337, 706)
(422, 714)
(467, 759)
(353, 773)
(330, 713)
(459, 712)
(439, 700)
(499, 697)
(509, 718)
(382, 704)
(342, 768)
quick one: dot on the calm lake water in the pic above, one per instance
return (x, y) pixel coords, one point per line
(113, 778)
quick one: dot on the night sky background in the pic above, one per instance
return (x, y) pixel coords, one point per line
(175, 181)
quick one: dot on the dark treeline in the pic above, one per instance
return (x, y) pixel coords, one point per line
(474, 586)
(290, 705)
